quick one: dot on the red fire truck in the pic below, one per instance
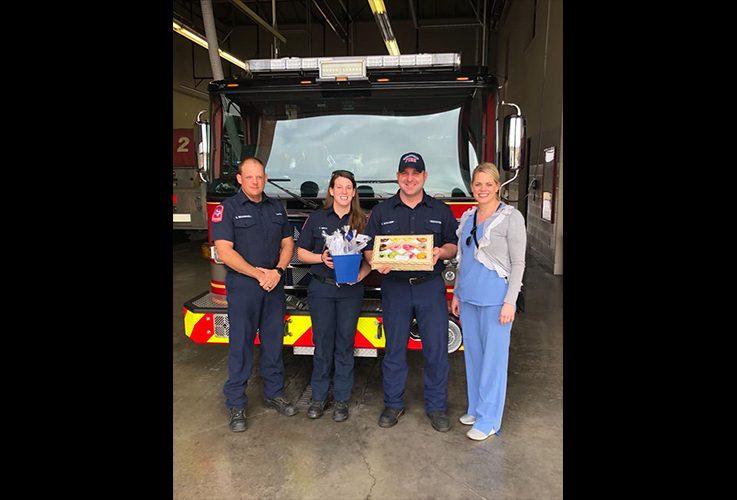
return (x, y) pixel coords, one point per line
(305, 117)
(188, 186)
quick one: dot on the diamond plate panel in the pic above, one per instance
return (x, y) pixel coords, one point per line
(299, 274)
(222, 327)
(207, 301)
(295, 260)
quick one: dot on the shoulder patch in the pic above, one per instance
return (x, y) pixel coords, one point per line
(217, 214)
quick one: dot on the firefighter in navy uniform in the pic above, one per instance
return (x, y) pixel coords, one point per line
(254, 240)
(334, 309)
(415, 294)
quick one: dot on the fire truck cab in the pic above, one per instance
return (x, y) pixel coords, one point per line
(305, 117)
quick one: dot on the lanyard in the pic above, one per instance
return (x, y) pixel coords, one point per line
(474, 228)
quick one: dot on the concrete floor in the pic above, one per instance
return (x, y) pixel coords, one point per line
(295, 457)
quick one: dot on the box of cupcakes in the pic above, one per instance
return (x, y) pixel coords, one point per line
(410, 252)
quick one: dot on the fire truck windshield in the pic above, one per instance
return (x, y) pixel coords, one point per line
(301, 142)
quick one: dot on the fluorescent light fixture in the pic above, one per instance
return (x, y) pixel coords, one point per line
(377, 6)
(195, 37)
(392, 47)
(382, 20)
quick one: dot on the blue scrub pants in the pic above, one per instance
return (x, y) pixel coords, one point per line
(334, 313)
(486, 350)
(425, 301)
(251, 308)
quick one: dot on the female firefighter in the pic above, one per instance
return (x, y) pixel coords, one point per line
(334, 309)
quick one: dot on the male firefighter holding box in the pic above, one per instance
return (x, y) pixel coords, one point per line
(418, 294)
(254, 240)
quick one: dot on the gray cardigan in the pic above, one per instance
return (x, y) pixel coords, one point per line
(501, 247)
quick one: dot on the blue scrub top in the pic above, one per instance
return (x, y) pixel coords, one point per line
(476, 283)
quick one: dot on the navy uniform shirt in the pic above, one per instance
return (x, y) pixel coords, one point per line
(256, 229)
(311, 236)
(430, 216)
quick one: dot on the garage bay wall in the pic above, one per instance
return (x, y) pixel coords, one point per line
(529, 60)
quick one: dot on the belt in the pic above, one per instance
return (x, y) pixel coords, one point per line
(324, 279)
(413, 281)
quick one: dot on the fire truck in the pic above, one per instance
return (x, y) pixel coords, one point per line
(188, 185)
(305, 117)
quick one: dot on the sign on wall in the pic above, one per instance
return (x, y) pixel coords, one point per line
(184, 148)
(548, 207)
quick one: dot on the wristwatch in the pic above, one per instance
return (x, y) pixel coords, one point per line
(279, 270)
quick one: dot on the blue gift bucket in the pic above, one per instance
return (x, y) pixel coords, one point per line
(346, 267)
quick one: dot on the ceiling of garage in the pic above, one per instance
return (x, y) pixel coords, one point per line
(339, 13)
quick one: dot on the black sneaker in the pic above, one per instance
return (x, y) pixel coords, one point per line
(340, 412)
(282, 406)
(440, 421)
(316, 409)
(237, 419)
(390, 416)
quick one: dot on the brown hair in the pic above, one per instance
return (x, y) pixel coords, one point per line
(357, 219)
(490, 169)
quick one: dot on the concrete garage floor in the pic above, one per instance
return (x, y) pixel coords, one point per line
(295, 457)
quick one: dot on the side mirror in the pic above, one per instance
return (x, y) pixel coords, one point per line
(202, 139)
(515, 143)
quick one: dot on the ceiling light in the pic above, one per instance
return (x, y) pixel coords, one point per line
(195, 37)
(382, 20)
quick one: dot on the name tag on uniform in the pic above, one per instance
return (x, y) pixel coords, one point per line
(243, 216)
(279, 213)
(435, 221)
(388, 222)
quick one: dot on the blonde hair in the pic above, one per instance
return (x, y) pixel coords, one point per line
(488, 168)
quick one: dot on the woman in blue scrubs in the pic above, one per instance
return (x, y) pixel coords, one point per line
(334, 309)
(491, 254)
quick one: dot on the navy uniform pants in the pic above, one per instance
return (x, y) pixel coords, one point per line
(425, 301)
(251, 308)
(334, 312)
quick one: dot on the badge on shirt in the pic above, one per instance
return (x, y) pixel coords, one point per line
(217, 214)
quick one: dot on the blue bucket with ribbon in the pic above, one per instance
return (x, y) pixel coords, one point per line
(346, 267)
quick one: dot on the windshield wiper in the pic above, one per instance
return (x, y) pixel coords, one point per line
(309, 203)
(377, 181)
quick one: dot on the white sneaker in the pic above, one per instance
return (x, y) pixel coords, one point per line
(467, 419)
(477, 435)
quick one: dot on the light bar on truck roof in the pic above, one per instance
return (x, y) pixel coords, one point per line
(449, 60)
(339, 70)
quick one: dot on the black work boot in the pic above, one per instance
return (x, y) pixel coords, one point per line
(316, 409)
(439, 420)
(237, 419)
(282, 406)
(340, 412)
(390, 416)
